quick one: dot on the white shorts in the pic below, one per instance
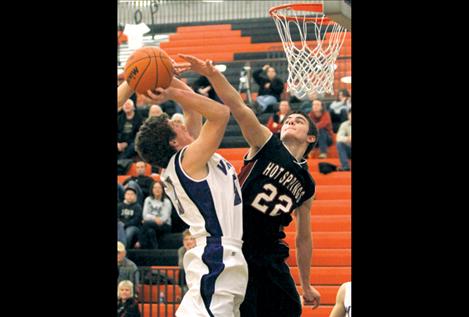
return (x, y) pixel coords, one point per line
(217, 277)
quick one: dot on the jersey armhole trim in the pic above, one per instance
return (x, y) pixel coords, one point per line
(246, 160)
(179, 165)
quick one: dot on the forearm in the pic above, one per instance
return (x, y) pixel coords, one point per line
(303, 256)
(193, 119)
(191, 101)
(226, 92)
(123, 93)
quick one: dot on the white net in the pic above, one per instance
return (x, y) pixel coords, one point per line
(312, 44)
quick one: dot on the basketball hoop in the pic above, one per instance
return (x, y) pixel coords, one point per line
(310, 61)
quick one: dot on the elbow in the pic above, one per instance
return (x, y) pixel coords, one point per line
(224, 114)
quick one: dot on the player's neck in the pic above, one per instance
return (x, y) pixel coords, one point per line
(296, 150)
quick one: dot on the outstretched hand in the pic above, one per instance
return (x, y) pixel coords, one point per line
(199, 66)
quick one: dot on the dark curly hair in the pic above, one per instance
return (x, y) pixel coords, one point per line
(312, 130)
(152, 141)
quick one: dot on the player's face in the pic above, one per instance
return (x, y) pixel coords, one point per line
(140, 167)
(295, 127)
(124, 292)
(183, 137)
(157, 190)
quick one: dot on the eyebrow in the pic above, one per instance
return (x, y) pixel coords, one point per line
(298, 117)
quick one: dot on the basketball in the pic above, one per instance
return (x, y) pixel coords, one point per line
(147, 69)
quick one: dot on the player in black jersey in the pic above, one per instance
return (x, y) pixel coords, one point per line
(275, 182)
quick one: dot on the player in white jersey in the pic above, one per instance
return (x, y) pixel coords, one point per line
(343, 304)
(206, 193)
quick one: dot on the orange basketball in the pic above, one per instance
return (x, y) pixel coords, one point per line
(147, 69)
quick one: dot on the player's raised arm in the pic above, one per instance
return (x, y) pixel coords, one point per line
(192, 118)
(253, 131)
(123, 94)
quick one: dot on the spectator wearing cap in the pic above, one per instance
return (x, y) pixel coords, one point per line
(127, 269)
(129, 212)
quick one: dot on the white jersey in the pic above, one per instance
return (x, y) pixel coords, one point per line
(348, 299)
(211, 206)
(216, 271)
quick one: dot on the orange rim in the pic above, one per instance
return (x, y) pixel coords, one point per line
(311, 7)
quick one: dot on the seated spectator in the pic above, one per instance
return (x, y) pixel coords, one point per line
(322, 120)
(270, 89)
(343, 301)
(344, 143)
(339, 109)
(156, 217)
(129, 212)
(144, 182)
(155, 111)
(127, 305)
(128, 123)
(203, 87)
(121, 233)
(135, 186)
(188, 242)
(127, 269)
(275, 121)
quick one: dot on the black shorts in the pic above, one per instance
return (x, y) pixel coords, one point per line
(271, 290)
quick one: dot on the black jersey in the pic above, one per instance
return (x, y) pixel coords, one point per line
(273, 184)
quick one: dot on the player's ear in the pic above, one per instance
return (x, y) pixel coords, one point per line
(311, 139)
(173, 143)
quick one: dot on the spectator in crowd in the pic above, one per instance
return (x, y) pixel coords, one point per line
(339, 109)
(156, 217)
(143, 181)
(127, 305)
(203, 87)
(127, 269)
(155, 111)
(134, 185)
(121, 232)
(128, 123)
(270, 89)
(322, 120)
(177, 117)
(275, 121)
(343, 301)
(344, 143)
(188, 242)
(129, 212)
